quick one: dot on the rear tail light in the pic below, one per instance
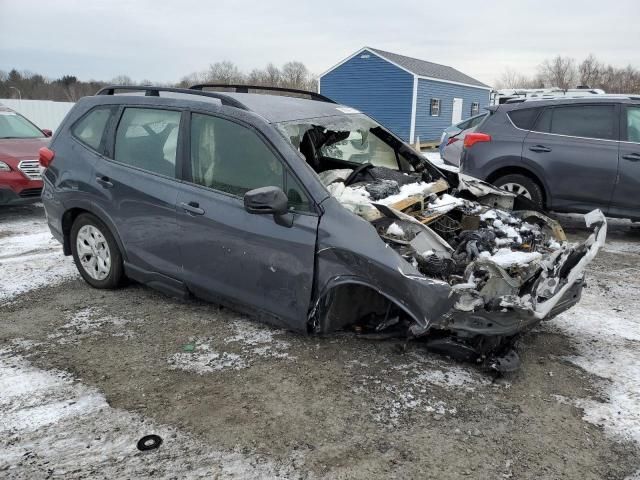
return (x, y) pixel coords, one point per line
(46, 157)
(472, 138)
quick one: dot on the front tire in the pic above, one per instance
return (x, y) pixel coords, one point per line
(521, 185)
(96, 253)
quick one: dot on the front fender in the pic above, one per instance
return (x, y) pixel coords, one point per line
(350, 251)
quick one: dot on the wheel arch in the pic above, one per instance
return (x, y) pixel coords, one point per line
(519, 170)
(344, 286)
(69, 217)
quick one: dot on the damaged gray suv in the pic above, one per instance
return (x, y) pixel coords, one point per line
(306, 213)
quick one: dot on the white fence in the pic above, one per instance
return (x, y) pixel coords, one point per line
(44, 113)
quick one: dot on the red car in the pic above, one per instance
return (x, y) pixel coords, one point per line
(20, 140)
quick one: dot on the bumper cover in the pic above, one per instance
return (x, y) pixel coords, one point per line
(27, 195)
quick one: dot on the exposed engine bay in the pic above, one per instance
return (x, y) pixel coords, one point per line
(489, 255)
(508, 265)
(496, 260)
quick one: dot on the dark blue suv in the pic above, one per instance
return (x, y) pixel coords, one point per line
(304, 212)
(566, 155)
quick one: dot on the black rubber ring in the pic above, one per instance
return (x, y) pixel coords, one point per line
(149, 442)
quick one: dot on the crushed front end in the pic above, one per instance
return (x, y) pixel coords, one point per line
(507, 266)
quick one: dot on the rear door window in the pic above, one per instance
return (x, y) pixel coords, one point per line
(633, 124)
(148, 139)
(90, 129)
(588, 121)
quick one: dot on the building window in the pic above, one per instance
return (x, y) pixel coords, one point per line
(435, 107)
(475, 108)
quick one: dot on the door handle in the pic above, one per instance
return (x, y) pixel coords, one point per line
(193, 208)
(539, 148)
(104, 181)
(632, 157)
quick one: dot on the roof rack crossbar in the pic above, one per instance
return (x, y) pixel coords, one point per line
(151, 91)
(237, 88)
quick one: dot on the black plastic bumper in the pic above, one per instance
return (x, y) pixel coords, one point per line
(28, 195)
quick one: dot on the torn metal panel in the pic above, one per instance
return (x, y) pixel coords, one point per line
(553, 225)
(479, 189)
(593, 244)
(373, 264)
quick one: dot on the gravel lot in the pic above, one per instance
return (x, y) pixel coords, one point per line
(85, 373)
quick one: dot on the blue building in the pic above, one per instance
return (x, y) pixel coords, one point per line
(413, 98)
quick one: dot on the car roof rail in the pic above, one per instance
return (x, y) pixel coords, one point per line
(151, 91)
(237, 88)
(586, 98)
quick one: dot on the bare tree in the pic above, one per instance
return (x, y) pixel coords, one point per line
(273, 76)
(192, 79)
(559, 72)
(511, 78)
(224, 72)
(257, 77)
(295, 75)
(122, 80)
(70, 88)
(590, 71)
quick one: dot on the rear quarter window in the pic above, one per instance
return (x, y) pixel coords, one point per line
(524, 118)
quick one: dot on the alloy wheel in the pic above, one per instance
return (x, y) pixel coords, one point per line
(516, 189)
(93, 252)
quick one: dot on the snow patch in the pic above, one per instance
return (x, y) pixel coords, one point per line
(251, 340)
(606, 328)
(203, 359)
(445, 203)
(506, 258)
(52, 423)
(414, 391)
(87, 322)
(406, 191)
(395, 230)
(30, 258)
(453, 377)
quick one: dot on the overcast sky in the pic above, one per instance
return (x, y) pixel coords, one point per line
(164, 40)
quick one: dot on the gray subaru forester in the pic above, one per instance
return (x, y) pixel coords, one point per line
(305, 213)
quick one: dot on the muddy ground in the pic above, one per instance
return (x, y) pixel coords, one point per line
(335, 406)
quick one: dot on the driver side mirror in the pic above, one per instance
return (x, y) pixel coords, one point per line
(266, 200)
(47, 132)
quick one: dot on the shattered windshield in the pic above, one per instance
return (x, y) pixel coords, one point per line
(348, 138)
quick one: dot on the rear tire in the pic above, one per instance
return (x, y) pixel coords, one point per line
(96, 253)
(521, 185)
